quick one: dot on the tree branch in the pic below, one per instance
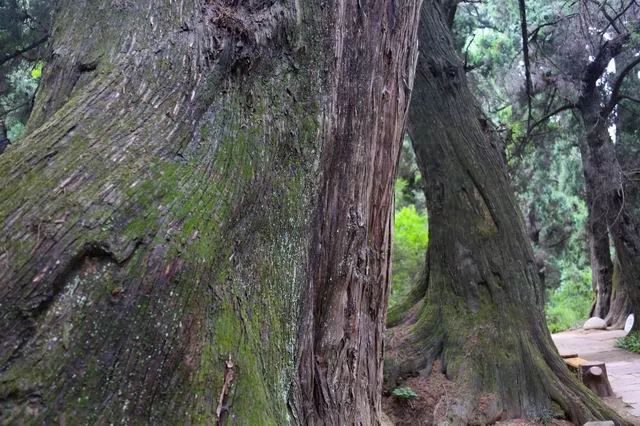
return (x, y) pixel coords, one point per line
(617, 85)
(19, 52)
(609, 50)
(525, 52)
(534, 33)
(614, 19)
(629, 98)
(551, 114)
(5, 112)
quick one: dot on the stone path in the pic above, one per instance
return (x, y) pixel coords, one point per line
(623, 368)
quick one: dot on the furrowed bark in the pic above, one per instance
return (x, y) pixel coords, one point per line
(342, 332)
(160, 259)
(479, 307)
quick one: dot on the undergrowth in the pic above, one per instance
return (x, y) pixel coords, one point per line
(631, 342)
(404, 393)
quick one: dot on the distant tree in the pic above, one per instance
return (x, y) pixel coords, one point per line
(575, 52)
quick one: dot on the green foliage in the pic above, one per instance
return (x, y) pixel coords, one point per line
(21, 86)
(411, 232)
(404, 393)
(630, 342)
(409, 189)
(570, 303)
(24, 26)
(36, 72)
(16, 129)
(549, 185)
(488, 46)
(409, 247)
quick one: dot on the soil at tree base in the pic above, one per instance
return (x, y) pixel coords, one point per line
(429, 407)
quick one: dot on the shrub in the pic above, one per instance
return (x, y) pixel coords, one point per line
(409, 247)
(404, 393)
(570, 303)
(631, 342)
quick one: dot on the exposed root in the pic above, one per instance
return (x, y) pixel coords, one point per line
(491, 373)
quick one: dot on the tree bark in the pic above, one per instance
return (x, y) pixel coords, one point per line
(479, 307)
(197, 227)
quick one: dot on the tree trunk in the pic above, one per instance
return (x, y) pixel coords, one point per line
(625, 231)
(479, 309)
(605, 185)
(600, 256)
(620, 304)
(197, 227)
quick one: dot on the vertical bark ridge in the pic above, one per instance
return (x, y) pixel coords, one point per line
(340, 366)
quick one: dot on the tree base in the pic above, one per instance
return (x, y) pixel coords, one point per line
(490, 370)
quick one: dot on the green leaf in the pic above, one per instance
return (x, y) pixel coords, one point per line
(404, 393)
(36, 72)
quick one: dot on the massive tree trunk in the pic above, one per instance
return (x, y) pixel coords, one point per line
(197, 226)
(479, 307)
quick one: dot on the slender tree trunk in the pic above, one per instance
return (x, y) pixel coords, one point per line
(479, 308)
(196, 228)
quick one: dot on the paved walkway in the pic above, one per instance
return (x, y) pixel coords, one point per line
(623, 368)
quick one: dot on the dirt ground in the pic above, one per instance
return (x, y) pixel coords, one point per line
(420, 410)
(430, 406)
(435, 396)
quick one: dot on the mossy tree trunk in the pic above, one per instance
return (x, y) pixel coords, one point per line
(196, 228)
(478, 308)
